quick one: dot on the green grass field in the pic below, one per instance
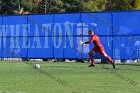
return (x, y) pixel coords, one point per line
(20, 77)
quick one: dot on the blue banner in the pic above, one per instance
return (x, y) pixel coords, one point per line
(59, 35)
(126, 23)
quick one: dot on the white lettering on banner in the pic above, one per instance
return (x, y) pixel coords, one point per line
(36, 38)
(61, 33)
(69, 33)
(46, 28)
(26, 29)
(57, 42)
(5, 32)
(79, 32)
(12, 34)
(17, 36)
(15, 29)
(2, 33)
(85, 29)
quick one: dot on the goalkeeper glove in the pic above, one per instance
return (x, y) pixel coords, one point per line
(82, 43)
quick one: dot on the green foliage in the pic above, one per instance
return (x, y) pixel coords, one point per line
(73, 5)
(28, 5)
(49, 6)
(94, 5)
(57, 6)
(8, 6)
(60, 6)
(137, 5)
(112, 5)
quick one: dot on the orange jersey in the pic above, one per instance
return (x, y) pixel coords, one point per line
(95, 39)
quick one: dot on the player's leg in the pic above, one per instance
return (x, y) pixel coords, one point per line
(91, 58)
(102, 52)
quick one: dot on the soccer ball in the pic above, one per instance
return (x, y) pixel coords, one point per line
(37, 66)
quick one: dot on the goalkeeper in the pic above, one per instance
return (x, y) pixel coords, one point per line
(97, 48)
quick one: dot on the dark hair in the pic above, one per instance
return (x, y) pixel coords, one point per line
(90, 30)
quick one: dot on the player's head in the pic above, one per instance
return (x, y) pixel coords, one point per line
(90, 32)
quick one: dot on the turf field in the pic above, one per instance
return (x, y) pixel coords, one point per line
(20, 77)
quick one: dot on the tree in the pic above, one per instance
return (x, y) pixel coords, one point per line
(136, 5)
(27, 5)
(59, 6)
(8, 6)
(73, 5)
(112, 5)
(96, 5)
(49, 6)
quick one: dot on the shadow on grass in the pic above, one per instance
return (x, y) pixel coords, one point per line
(130, 64)
(106, 68)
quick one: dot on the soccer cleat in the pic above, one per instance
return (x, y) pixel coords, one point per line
(92, 65)
(113, 64)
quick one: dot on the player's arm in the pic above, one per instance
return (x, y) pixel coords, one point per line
(90, 41)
